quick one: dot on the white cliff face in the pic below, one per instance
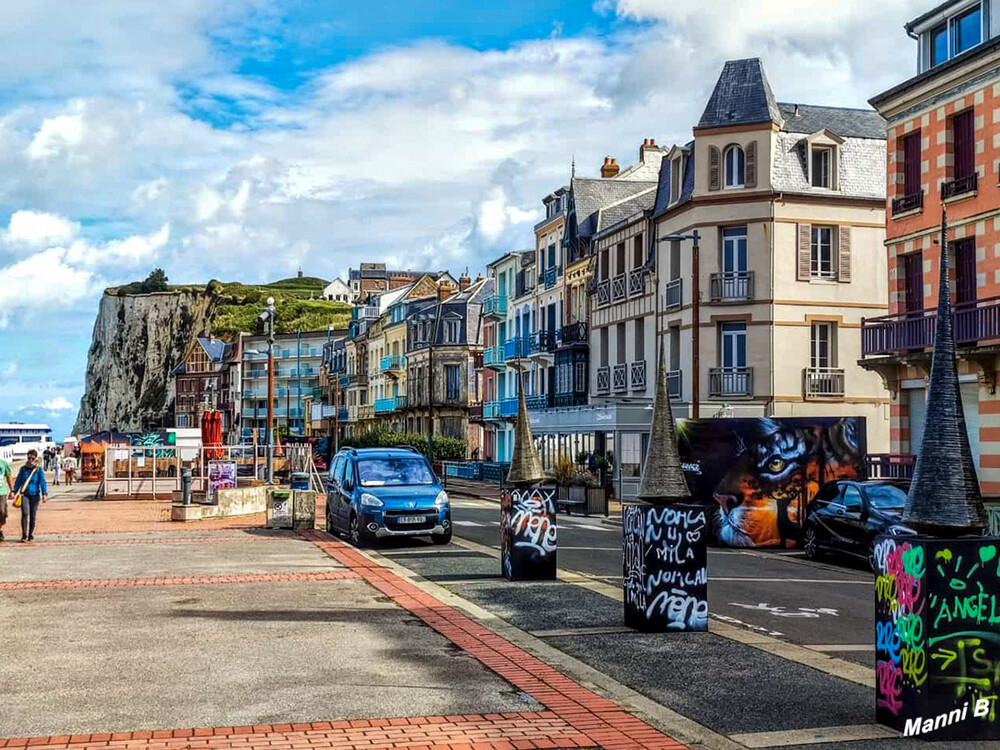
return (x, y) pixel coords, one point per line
(138, 341)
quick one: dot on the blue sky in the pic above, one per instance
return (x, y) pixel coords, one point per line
(242, 140)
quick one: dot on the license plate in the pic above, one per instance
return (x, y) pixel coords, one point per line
(411, 519)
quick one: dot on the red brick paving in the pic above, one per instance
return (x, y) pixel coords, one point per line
(186, 539)
(112, 583)
(493, 732)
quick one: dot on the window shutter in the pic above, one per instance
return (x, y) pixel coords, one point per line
(805, 252)
(714, 168)
(750, 176)
(844, 259)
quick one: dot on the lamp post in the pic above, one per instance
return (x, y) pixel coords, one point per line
(267, 318)
(695, 312)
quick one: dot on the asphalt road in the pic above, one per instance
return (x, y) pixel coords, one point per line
(828, 606)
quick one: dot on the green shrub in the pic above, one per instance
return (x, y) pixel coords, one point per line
(445, 448)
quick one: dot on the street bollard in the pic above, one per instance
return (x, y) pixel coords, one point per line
(186, 484)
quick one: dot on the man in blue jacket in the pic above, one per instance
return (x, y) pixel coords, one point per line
(31, 484)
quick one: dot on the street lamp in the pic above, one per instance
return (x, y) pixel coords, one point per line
(695, 312)
(267, 319)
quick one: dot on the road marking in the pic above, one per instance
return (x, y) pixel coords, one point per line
(589, 527)
(469, 523)
(814, 736)
(790, 580)
(592, 549)
(843, 647)
(581, 631)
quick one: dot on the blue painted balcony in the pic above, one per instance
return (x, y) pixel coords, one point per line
(392, 363)
(491, 411)
(389, 405)
(551, 274)
(493, 358)
(342, 414)
(535, 403)
(495, 307)
(345, 380)
(517, 348)
(544, 342)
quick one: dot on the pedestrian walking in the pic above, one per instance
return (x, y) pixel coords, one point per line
(55, 470)
(69, 469)
(6, 488)
(31, 486)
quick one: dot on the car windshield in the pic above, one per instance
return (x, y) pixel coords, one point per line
(381, 472)
(885, 496)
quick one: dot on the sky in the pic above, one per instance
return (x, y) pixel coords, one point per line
(245, 139)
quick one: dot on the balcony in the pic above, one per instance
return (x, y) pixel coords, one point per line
(536, 403)
(907, 203)
(475, 412)
(603, 293)
(551, 274)
(517, 348)
(392, 363)
(491, 411)
(823, 382)
(352, 413)
(389, 405)
(365, 312)
(960, 187)
(890, 466)
(344, 381)
(543, 342)
(577, 398)
(730, 381)
(618, 288)
(636, 284)
(604, 379)
(477, 360)
(508, 408)
(672, 294)
(493, 358)
(342, 414)
(574, 334)
(731, 286)
(972, 323)
(674, 383)
(637, 376)
(619, 378)
(495, 307)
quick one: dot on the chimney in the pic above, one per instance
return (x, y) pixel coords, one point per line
(444, 292)
(610, 168)
(463, 282)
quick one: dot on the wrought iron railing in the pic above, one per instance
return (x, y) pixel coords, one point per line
(475, 412)
(604, 379)
(890, 465)
(544, 341)
(603, 293)
(535, 403)
(637, 375)
(574, 333)
(618, 288)
(636, 283)
(672, 295)
(730, 381)
(731, 286)
(823, 382)
(972, 322)
(905, 203)
(495, 306)
(619, 378)
(961, 186)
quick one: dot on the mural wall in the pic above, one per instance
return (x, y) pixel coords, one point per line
(757, 476)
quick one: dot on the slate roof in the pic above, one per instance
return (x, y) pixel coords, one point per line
(619, 212)
(591, 195)
(847, 123)
(663, 188)
(742, 96)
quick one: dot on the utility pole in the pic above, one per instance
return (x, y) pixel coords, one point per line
(268, 318)
(695, 312)
(430, 378)
(298, 372)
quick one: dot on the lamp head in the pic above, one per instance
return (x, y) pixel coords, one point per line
(270, 301)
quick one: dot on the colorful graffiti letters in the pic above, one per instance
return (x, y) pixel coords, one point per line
(665, 567)
(528, 534)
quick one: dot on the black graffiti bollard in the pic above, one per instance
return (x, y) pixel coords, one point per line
(665, 567)
(937, 636)
(528, 533)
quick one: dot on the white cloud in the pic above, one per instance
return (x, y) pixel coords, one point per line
(131, 251)
(39, 229)
(495, 214)
(44, 281)
(58, 403)
(9, 370)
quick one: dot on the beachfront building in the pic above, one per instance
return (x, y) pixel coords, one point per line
(204, 380)
(505, 350)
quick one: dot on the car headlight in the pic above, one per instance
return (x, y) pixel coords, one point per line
(371, 501)
(442, 499)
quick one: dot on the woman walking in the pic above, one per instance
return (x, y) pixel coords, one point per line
(30, 483)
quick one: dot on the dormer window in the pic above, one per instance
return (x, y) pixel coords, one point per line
(822, 161)
(945, 36)
(676, 178)
(735, 164)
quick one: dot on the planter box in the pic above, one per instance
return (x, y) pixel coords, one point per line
(665, 583)
(937, 635)
(528, 534)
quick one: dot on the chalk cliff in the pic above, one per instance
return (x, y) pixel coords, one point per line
(138, 340)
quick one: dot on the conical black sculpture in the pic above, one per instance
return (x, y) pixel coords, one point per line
(662, 479)
(944, 498)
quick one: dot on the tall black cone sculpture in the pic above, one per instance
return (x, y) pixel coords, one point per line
(944, 498)
(664, 535)
(527, 510)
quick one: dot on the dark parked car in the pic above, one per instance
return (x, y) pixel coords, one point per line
(847, 517)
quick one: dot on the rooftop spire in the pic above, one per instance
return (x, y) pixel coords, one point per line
(525, 465)
(944, 498)
(662, 476)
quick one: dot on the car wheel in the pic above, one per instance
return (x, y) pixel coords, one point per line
(444, 538)
(360, 537)
(810, 546)
(871, 556)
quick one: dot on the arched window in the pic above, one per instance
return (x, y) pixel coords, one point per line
(735, 162)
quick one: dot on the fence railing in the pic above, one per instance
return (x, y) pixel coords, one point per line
(495, 306)
(730, 381)
(618, 288)
(574, 333)
(619, 378)
(674, 383)
(517, 348)
(972, 323)
(823, 382)
(731, 286)
(636, 283)
(672, 295)
(493, 356)
(637, 375)
(604, 379)
(960, 186)
(603, 293)
(890, 465)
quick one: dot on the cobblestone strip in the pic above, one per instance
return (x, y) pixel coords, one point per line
(518, 731)
(111, 583)
(602, 721)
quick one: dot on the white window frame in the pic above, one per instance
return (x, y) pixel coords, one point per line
(816, 247)
(730, 333)
(676, 178)
(817, 331)
(733, 151)
(830, 161)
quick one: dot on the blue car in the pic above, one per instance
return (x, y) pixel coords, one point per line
(374, 493)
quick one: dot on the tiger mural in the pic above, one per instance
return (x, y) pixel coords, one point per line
(761, 499)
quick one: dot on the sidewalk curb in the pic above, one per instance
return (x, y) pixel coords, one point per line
(611, 520)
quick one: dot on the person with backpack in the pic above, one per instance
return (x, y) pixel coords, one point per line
(30, 490)
(6, 483)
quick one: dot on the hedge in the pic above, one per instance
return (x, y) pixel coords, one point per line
(445, 448)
